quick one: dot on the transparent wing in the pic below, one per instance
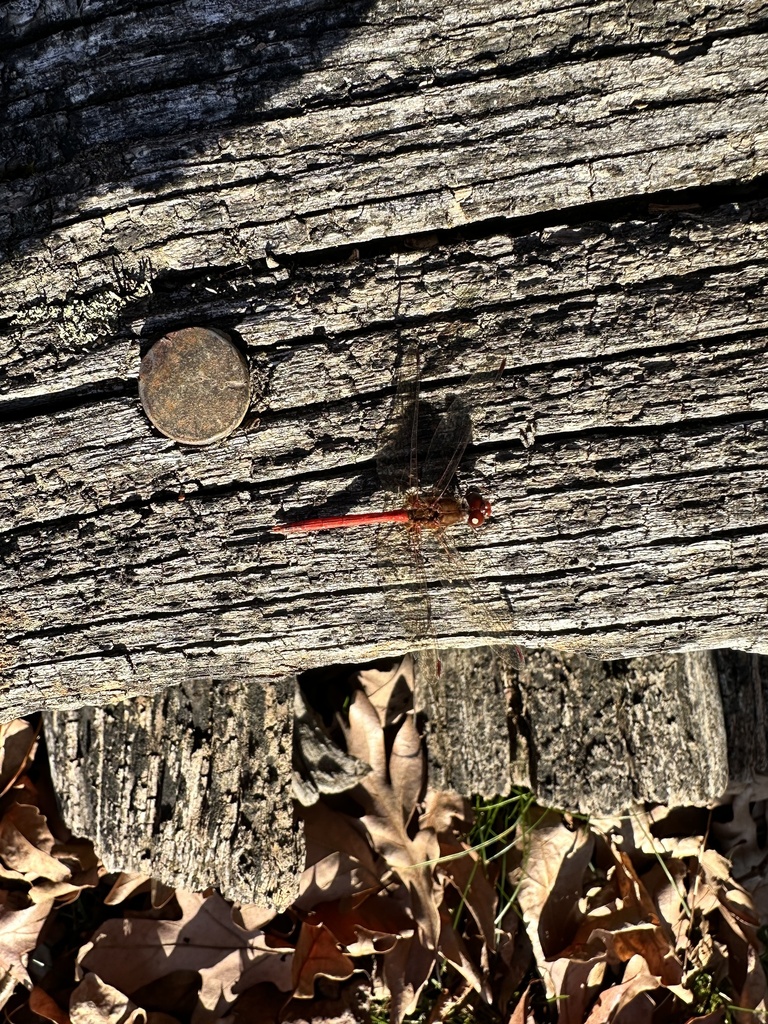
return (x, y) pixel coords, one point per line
(458, 589)
(447, 447)
(397, 461)
(408, 599)
(454, 430)
(404, 586)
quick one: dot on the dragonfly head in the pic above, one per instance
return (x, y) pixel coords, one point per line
(479, 509)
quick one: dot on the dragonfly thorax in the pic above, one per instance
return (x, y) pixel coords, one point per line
(433, 513)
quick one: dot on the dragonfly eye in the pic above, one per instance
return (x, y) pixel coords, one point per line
(479, 509)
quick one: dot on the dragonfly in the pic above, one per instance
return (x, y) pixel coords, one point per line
(428, 504)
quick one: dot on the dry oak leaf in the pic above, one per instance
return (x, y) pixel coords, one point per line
(94, 1002)
(129, 953)
(30, 852)
(450, 815)
(365, 924)
(522, 1013)
(44, 1005)
(390, 690)
(317, 955)
(614, 1003)
(26, 845)
(125, 885)
(339, 857)
(453, 948)
(630, 925)
(555, 862)
(387, 795)
(19, 930)
(18, 741)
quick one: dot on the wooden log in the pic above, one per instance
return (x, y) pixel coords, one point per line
(198, 138)
(590, 736)
(263, 171)
(192, 786)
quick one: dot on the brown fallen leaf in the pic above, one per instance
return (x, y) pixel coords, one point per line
(577, 983)
(130, 953)
(453, 948)
(364, 925)
(336, 845)
(389, 689)
(646, 940)
(410, 858)
(613, 1002)
(19, 930)
(18, 742)
(551, 883)
(26, 844)
(514, 958)
(521, 1013)
(94, 1002)
(335, 1002)
(317, 954)
(125, 885)
(41, 1003)
(336, 876)
(753, 996)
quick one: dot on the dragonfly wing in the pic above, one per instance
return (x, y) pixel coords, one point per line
(407, 596)
(459, 590)
(447, 447)
(405, 591)
(454, 431)
(398, 442)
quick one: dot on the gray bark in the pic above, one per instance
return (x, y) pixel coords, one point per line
(623, 448)
(192, 787)
(588, 736)
(623, 451)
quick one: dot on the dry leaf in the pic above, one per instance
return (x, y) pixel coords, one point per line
(577, 982)
(131, 953)
(551, 884)
(454, 950)
(390, 690)
(18, 742)
(753, 997)
(19, 930)
(407, 768)
(125, 885)
(41, 1003)
(93, 1002)
(26, 844)
(521, 1013)
(613, 1003)
(366, 924)
(317, 954)
(409, 964)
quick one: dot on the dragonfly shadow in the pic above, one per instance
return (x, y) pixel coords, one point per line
(423, 447)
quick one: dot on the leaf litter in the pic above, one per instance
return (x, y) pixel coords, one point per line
(411, 897)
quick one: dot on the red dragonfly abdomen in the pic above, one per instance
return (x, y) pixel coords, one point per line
(398, 515)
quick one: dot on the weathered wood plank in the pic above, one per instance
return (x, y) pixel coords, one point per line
(194, 137)
(192, 785)
(624, 450)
